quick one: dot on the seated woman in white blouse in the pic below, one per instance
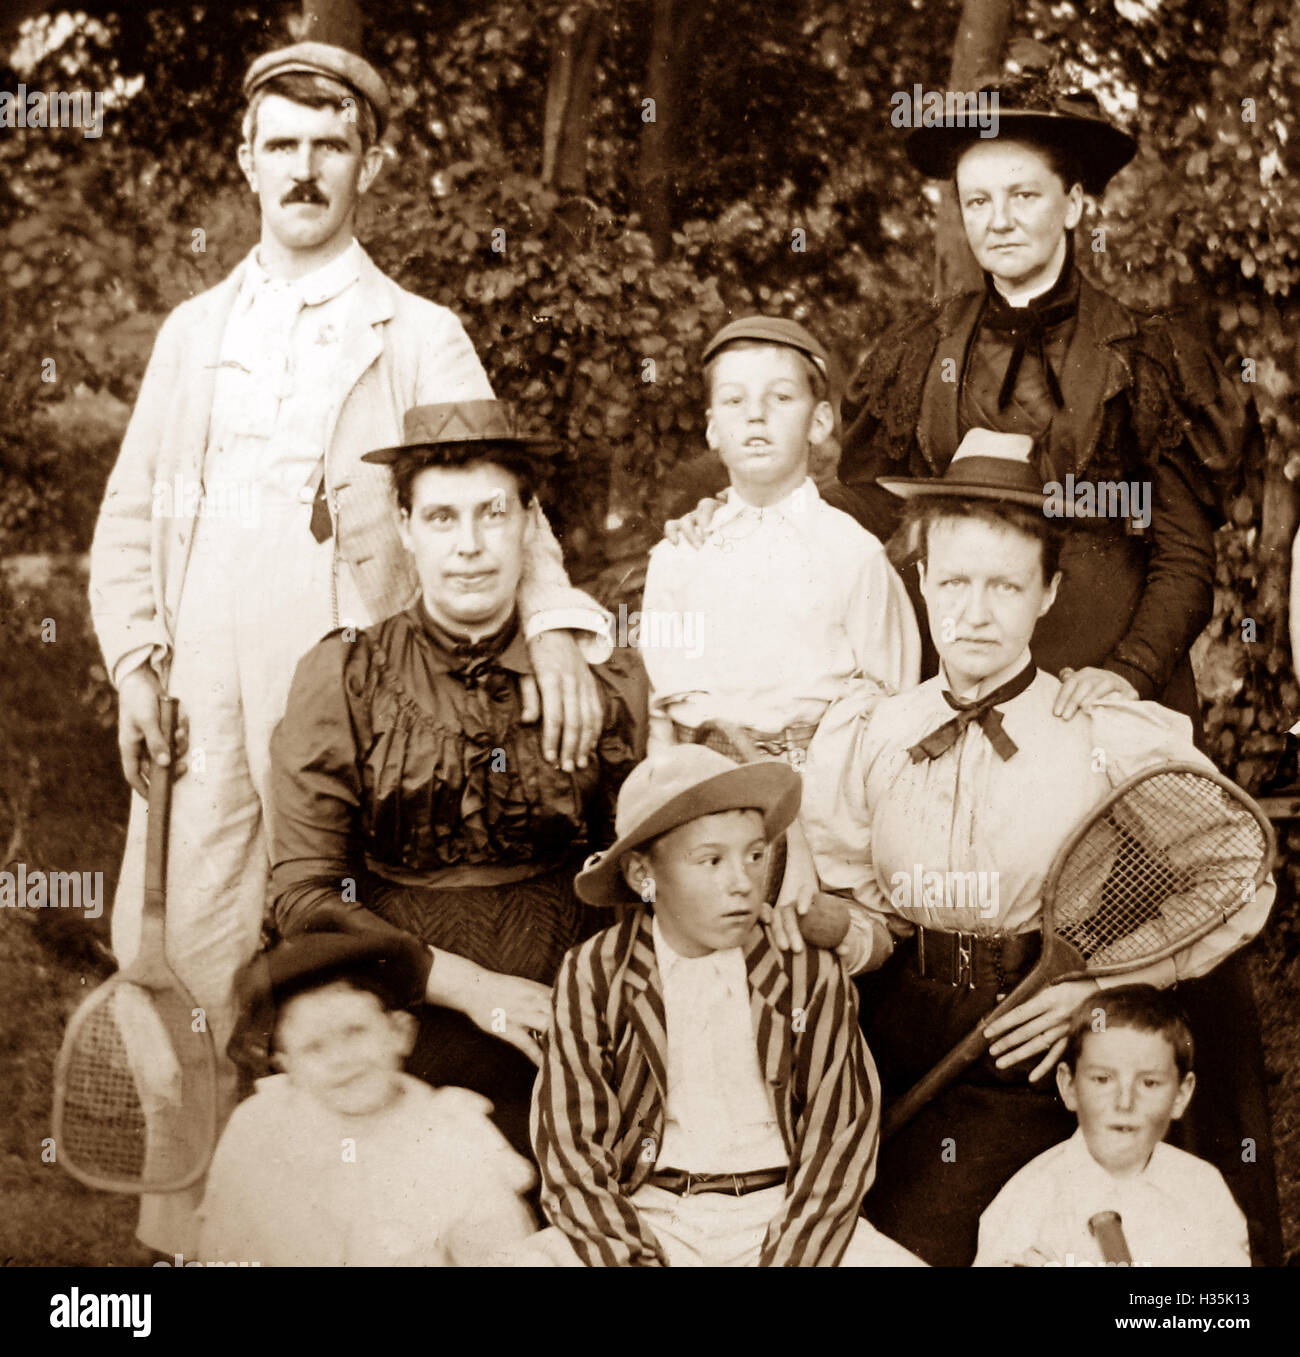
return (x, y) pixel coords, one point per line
(952, 801)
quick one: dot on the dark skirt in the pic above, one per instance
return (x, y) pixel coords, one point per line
(519, 928)
(936, 1176)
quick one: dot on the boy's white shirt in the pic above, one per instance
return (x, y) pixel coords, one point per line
(1177, 1212)
(718, 1113)
(774, 617)
(426, 1180)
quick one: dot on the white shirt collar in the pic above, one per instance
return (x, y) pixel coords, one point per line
(672, 962)
(1154, 1174)
(793, 507)
(321, 285)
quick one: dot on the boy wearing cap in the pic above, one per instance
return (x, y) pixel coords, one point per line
(705, 1098)
(239, 525)
(341, 1159)
(791, 606)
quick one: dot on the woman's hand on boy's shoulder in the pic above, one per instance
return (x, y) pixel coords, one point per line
(692, 529)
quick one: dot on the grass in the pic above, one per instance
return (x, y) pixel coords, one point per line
(63, 806)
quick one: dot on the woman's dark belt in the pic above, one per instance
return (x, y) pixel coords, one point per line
(998, 960)
(686, 1184)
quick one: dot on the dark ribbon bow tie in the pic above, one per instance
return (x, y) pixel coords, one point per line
(1028, 327)
(982, 712)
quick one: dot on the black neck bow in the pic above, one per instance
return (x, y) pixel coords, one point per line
(982, 712)
(1028, 327)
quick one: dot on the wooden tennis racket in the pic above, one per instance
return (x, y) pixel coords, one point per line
(827, 919)
(1170, 855)
(135, 1085)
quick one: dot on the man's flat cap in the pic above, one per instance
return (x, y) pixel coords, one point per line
(322, 58)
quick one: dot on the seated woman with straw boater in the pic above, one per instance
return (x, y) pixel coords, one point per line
(953, 802)
(408, 796)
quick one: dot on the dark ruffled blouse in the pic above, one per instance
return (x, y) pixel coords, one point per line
(401, 757)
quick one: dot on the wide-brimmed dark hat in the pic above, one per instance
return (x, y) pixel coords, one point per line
(986, 465)
(675, 786)
(394, 967)
(323, 58)
(1072, 122)
(491, 423)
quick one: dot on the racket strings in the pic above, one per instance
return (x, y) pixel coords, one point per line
(111, 1124)
(1173, 857)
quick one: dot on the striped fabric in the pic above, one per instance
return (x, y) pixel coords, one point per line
(598, 1108)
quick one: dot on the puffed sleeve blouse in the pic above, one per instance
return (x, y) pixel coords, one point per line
(896, 823)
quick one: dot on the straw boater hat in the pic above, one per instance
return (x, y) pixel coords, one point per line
(986, 465)
(676, 786)
(323, 58)
(1031, 108)
(493, 424)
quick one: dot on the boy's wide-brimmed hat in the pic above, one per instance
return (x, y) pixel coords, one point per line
(678, 785)
(392, 966)
(492, 423)
(1072, 121)
(323, 58)
(986, 465)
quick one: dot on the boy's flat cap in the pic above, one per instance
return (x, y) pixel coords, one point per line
(772, 330)
(678, 785)
(393, 966)
(323, 58)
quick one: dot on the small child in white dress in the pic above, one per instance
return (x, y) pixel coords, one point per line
(1114, 1194)
(342, 1159)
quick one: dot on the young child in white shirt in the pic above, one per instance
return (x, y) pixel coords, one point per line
(789, 605)
(343, 1159)
(1114, 1193)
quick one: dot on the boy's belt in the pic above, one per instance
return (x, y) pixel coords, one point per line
(999, 960)
(778, 743)
(686, 1184)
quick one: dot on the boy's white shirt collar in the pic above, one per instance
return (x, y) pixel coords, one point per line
(793, 506)
(670, 960)
(1086, 1170)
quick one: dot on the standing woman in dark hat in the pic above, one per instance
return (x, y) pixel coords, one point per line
(409, 797)
(1109, 396)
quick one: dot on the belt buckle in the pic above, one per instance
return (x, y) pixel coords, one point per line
(964, 961)
(735, 1185)
(686, 1190)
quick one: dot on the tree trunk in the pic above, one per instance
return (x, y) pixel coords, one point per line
(976, 52)
(669, 48)
(335, 21)
(569, 92)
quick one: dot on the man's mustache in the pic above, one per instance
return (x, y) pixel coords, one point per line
(304, 193)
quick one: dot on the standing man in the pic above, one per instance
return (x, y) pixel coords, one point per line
(239, 525)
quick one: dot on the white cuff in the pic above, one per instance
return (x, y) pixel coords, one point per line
(592, 630)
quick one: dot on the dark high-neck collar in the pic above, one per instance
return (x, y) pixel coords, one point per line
(459, 647)
(1060, 301)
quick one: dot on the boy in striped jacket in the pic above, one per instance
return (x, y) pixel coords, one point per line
(705, 1098)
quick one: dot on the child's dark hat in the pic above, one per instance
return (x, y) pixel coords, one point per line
(323, 58)
(395, 967)
(678, 785)
(772, 330)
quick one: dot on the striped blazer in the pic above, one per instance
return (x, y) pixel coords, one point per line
(598, 1107)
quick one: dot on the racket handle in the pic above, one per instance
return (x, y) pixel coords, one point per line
(160, 799)
(962, 1056)
(1107, 1229)
(826, 922)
